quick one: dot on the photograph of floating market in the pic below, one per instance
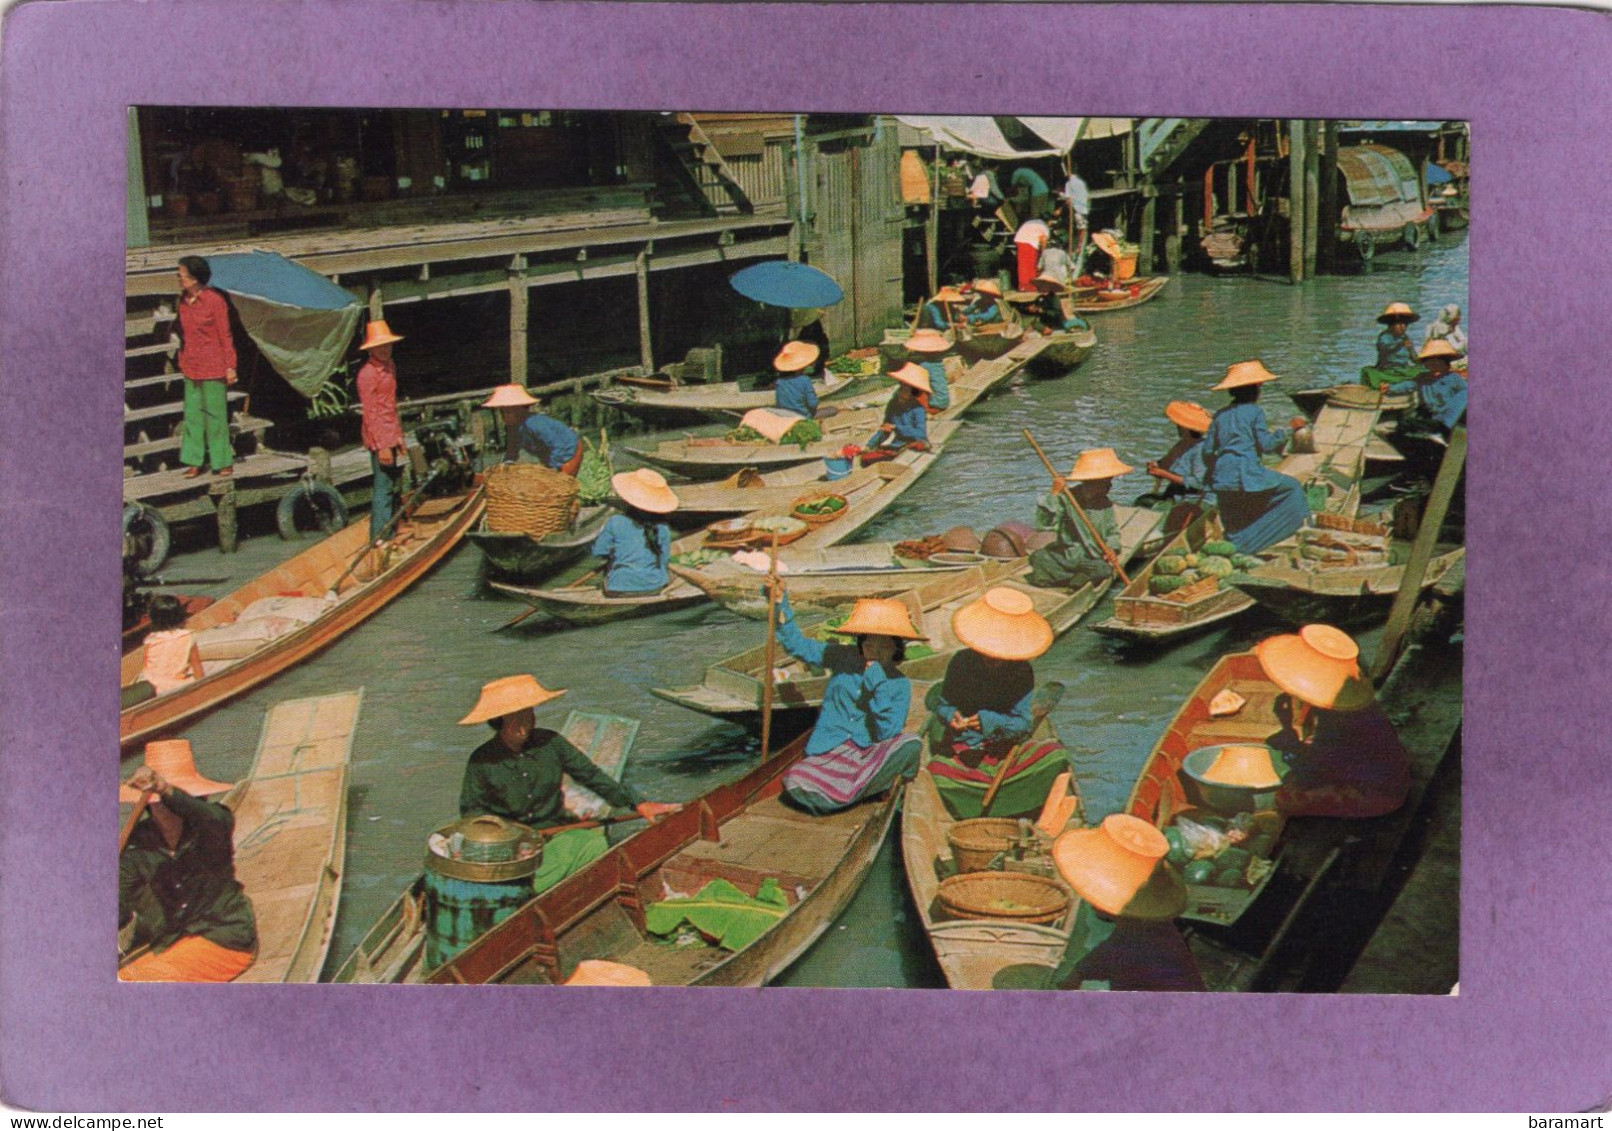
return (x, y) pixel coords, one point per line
(734, 549)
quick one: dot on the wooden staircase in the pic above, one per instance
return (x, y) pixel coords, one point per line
(1162, 141)
(704, 176)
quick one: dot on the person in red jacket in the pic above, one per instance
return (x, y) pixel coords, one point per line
(207, 359)
(382, 432)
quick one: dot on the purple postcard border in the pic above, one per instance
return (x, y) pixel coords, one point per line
(1531, 1029)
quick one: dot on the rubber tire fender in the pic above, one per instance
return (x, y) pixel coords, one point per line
(1367, 243)
(1433, 228)
(1412, 235)
(139, 518)
(328, 508)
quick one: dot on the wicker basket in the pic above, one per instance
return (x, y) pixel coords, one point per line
(977, 842)
(1018, 897)
(1352, 525)
(825, 517)
(528, 498)
(1199, 588)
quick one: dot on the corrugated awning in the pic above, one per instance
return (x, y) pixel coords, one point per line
(1033, 137)
(1376, 175)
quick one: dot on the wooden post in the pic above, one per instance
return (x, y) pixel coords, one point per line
(1410, 583)
(319, 464)
(1312, 194)
(1172, 242)
(932, 235)
(1327, 210)
(376, 306)
(646, 348)
(1144, 262)
(519, 309)
(1295, 200)
(223, 492)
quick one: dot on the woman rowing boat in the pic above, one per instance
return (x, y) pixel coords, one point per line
(1075, 556)
(1258, 506)
(857, 748)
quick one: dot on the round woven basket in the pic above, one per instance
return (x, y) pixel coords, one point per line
(819, 519)
(528, 498)
(977, 842)
(1018, 897)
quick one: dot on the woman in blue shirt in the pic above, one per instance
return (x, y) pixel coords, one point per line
(937, 313)
(985, 306)
(793, 391)
(1396, 356)
(555, 445)
(1440, 391)
(906, 421)
(929, 349)
(1258, 506)
(636, 544)
(857, 748)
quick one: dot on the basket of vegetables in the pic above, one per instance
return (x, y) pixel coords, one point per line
(730, 532)
(1016, 896)
(815, 510)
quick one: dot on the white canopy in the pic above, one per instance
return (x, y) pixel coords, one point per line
(983, 137)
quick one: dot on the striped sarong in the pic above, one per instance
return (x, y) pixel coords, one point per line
(839, 778)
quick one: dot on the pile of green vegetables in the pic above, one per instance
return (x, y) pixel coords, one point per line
(803, 433)
(1179, 567)
(828, 504)
(699, 559)
(593, 477)
(1240, 857)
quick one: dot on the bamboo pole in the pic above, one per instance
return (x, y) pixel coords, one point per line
(1410, 583)
(1296, 195)
(646, 349)
(1108, 555)
(519, 308)
(771, 651)
(932, 255)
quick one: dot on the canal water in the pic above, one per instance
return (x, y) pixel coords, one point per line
(422, 659)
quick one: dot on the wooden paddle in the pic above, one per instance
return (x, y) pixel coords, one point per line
(772, 648)
(127, 831)
(402, 512)
(596, 823)
(1046, 700)
(1108, 555)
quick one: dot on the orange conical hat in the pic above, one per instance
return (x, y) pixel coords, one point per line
(1003, 624)
(506, 696)
(1319, 664)
(1119, 868)
(880, 616)
(173, 759)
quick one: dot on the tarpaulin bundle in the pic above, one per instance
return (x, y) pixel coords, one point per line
(301, 321)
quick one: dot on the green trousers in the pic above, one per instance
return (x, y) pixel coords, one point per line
(566, 854)
(204, 438)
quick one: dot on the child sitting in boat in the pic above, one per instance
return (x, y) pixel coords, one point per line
(793, 391)
(1182, 471)
(982, 708)
(177, 891)
(906, 423)
(636, 544)
(985, 306)
(1396, 355)
(1258, 506)
(857, 748)
(171, 656)
(1345, 758)
(1075, 557)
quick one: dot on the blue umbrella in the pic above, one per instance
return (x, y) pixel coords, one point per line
(301, 321)
(780, 282)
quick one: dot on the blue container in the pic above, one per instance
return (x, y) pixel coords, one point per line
(1225, 798)
(458, 912)
(838, 467)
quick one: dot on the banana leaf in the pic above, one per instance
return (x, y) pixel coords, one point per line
(722, 912)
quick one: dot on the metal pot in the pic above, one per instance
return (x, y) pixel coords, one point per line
(484, 849)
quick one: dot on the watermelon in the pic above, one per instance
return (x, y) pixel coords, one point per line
(1159, 586)
(1219, 549)
(1169, 567)
(1232, 857)
(1216, 567)
(1199, 872)
(1229, 878)
(1247, 561)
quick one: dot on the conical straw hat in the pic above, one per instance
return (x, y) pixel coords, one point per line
(1246, 373)
(509, 396)
(172, 758)
(769, 422)
(378, 333)
(795, 356)
(1119, 868)
(1106, 244)
(598, 972)
(914, 375)
(646, 490)
(1193, 417)
(1097, 463)
(928, 341)
(948, 294)
(988, 287)
(1004, 625)
(1248, 766)
(880, 616)
(1438, 347)
(1048, 284)
(506, 696)
(1319, 664)
(1397, 312)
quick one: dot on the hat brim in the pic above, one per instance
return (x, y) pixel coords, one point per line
(1240, 382)
(1080, 856)
(1385, 319)
(497, 708)
(655, 500)
(1192, 421)
(1287, 661)
(1001, 636)
(383, 340)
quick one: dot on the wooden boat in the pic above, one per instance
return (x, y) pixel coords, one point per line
(1064, 350)
(521, 557)
(1140, 615)
(721, 400)
(740, 832)
(1089, 302)
(733, 687)
(582, 602)
(1350, 395)
(394, 948)
(709, 457)
(438, 525)
(135, 630)
(291, 833)
(989, 340)
(1305, 591)
(971, 952)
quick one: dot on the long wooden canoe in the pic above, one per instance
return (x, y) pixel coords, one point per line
(1140, 615)
(971, 952)
(393, 949)
(438, 525)
(721, 400)
(989, 341)
(1306, 592)
(520, 557)
(1350, 395)
(1063, 352)
(1087, 302)
(733, 687)
(740, 832)
(707, 457)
